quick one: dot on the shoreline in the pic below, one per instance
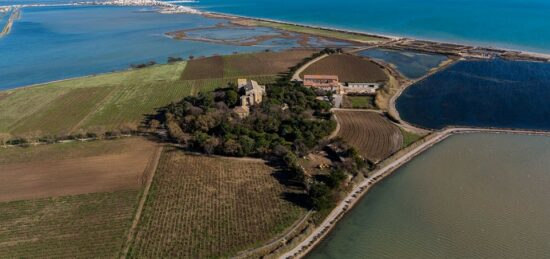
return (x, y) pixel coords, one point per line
(393, 164)
(532, 53)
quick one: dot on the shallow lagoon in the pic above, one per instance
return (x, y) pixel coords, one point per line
(495, 93)
(52, 43)
(411, 64)
(471, 196)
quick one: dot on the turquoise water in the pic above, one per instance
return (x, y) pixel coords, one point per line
(472, 196)
(52, 43)
(411, 64)
(518, 24)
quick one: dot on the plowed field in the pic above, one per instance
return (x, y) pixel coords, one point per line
(374, 137)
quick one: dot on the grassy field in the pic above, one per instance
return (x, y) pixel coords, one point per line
(81, 226)
(204, 207)
(374, 137)
(312, 31)
(409, 137)
(120, 100)
(359, 102)
(107, 100)
(348, 68)
(74, 168)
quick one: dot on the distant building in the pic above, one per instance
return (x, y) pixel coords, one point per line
(361, 88)
(251, 93)
(325, 82)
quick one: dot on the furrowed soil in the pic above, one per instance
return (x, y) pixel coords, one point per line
(80, 226)
(374, 136)
(73, 168)
(348, 68)
(205, 207)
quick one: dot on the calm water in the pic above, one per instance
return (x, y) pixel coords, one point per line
(51, 43)
(410, 64)
(521, 24)
(493, 93)
(472, 196)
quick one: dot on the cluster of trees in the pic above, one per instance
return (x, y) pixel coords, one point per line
(288, 124)
(289, 118)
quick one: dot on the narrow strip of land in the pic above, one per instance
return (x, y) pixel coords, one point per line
(15, 14)
(361, 189)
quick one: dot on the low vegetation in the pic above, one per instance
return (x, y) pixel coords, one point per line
(359, 102)
(81, 226)
(374, 136)
(409, 137)
(205, 207)
(361, 38)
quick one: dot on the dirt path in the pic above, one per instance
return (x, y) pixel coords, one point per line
(150, 172)
(361, 189)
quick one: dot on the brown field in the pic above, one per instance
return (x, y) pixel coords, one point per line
(348, 68)
(374, 137)
(73, 168)
(80, 226)
(203, 68)
(265, 63)
(205, 207)
(244, 65)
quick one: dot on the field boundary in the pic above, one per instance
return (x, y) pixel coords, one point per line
(393, 163)
(150, 170)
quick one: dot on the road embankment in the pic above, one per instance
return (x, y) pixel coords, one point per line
(385, 169)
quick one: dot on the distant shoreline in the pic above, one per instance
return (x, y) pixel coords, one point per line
(535, 54)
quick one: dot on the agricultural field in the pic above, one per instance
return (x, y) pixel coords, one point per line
(107, 100)
(120, 100)
(374, 136)
(80, 226)
(74, 168)
(205, 207)
(348, 68)
(265, 63)
(244, 65)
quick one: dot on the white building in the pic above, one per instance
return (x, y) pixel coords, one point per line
(361, 88)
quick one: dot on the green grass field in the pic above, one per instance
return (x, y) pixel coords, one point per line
(409, 137)
(80, 226)
(361, 102)
(107, 101)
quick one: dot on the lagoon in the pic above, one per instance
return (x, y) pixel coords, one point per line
(487, 93)
(471, 196)
(53, 43)
(411, 64)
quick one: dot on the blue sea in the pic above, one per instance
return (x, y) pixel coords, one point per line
(516, 24)
(496, 93)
